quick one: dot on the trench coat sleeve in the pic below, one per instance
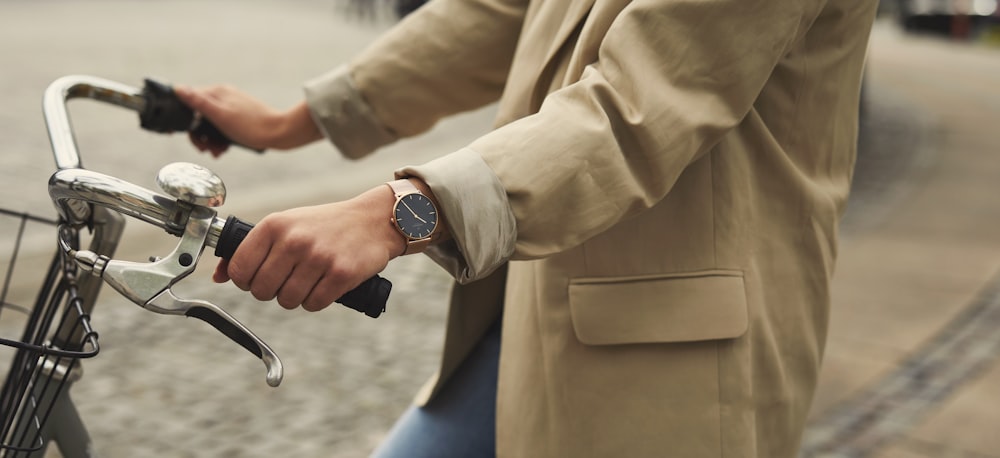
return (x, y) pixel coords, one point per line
(470, 195)
(480, 220)
(672, 77)
(447, 57)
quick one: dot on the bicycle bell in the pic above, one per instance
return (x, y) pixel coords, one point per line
(192, 183)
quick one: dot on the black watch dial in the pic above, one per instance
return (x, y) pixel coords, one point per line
(415, 216)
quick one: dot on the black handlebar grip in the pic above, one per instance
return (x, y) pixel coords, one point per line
(369, 297)
(165, 113)
(231, 237)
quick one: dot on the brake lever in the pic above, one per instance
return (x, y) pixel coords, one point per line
(169, 304)
(149, 284)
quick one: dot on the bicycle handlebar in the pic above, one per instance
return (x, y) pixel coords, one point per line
(60, 91)
(74, 190)
(71, 186)
(158, 106)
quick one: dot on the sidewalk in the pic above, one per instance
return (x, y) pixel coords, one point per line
(920, 245)
(911, 364)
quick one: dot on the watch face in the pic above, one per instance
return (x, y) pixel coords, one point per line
(415, 216)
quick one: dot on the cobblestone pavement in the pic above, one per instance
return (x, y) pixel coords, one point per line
(167, 386)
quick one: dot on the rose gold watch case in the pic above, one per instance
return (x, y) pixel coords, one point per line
(401, 189)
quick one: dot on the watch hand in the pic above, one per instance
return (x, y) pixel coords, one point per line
(414, 213)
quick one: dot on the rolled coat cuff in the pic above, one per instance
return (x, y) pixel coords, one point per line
(342, 114)
(476, 210)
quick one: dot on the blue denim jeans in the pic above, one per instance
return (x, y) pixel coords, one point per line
(460, 421)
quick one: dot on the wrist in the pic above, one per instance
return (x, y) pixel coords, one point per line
(378, 204)
(294, 128)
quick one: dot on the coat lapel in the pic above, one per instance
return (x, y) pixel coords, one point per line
(549, 27)
(576, 12)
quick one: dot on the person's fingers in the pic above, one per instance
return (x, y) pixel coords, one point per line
(221, 274)
(217, 149)
(270, 276)
(247, 259)
(198, 142)
(334, 284)
(298, 286)
(208, 104)
(321, 296)
(184, 92)
(194, 98)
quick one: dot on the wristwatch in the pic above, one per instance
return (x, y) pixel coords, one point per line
(414, 215)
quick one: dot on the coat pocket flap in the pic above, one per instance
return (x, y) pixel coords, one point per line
(686, 307)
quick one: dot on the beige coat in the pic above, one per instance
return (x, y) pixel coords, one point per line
(665, 179)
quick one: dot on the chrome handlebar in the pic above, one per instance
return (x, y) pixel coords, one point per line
(186, 213)
(57, 118)
(68, 187)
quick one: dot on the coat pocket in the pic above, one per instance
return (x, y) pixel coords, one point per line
(686, 307)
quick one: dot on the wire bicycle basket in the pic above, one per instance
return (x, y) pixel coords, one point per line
(55, 334)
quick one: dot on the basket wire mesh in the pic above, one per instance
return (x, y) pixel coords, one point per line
(56, 333)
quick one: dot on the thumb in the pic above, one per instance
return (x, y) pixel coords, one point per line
(194, 99)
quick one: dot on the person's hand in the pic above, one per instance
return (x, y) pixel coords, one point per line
(311, 256)
(248, 121)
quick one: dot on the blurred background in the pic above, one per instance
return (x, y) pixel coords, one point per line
(910, 369)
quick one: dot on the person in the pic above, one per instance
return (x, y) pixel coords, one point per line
(645, 241)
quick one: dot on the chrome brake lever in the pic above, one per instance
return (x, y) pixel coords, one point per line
(149, 284)
(141, 282)
(169, 304)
